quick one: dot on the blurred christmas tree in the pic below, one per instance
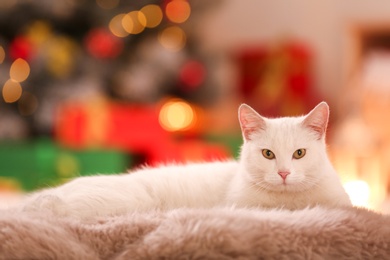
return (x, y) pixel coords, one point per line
(67, 50)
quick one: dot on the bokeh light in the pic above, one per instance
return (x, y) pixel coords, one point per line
(27, 104)
(67, 165)
(39, 32)
(153, 15)
(134, 22)
(178, 11)
(101, 43)
(107, 4)
(20, 70)
(2, 54)
(172, 38)
(177, 115)
(359, 192)
(60, 56)
(192, 74)
(21, 47)
(116, 26)
(11, 91)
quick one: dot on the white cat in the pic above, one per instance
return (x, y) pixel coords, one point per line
(283, 164)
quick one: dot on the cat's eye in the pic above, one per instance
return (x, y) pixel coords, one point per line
(298, 154)
(268, 154)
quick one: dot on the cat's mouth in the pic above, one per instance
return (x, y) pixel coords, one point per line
(283, 186)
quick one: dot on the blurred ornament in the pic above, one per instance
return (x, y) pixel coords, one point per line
(21, 47)
(60, 56)
(102, 44)
(192, 75)
(38, 32)
(178, 11)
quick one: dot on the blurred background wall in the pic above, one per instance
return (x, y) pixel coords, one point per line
(100, 86)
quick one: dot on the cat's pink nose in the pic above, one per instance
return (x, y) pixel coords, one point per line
(283, 174)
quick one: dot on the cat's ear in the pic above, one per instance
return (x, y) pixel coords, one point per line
(317, 119)
(250, 121)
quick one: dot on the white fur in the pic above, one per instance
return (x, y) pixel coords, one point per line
(253, 181)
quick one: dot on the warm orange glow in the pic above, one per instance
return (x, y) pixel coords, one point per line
(172, 38)
(116, 26)
(153, 15)
(127, 23)
(2, 54)
(39, 32)
(176, 115)
(359, 192)
(60, 56)
(362, 176)
(19, 70)
(11, 91)
(134, 22)
(178, 11)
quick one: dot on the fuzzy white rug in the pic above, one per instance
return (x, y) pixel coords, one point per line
(317, 233)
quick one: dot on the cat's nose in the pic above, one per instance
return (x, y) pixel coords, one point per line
(283, 174)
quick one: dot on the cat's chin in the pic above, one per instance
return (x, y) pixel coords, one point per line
(284, 187)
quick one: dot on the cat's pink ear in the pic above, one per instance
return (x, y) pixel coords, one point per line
(250, 121)
(317, 119)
